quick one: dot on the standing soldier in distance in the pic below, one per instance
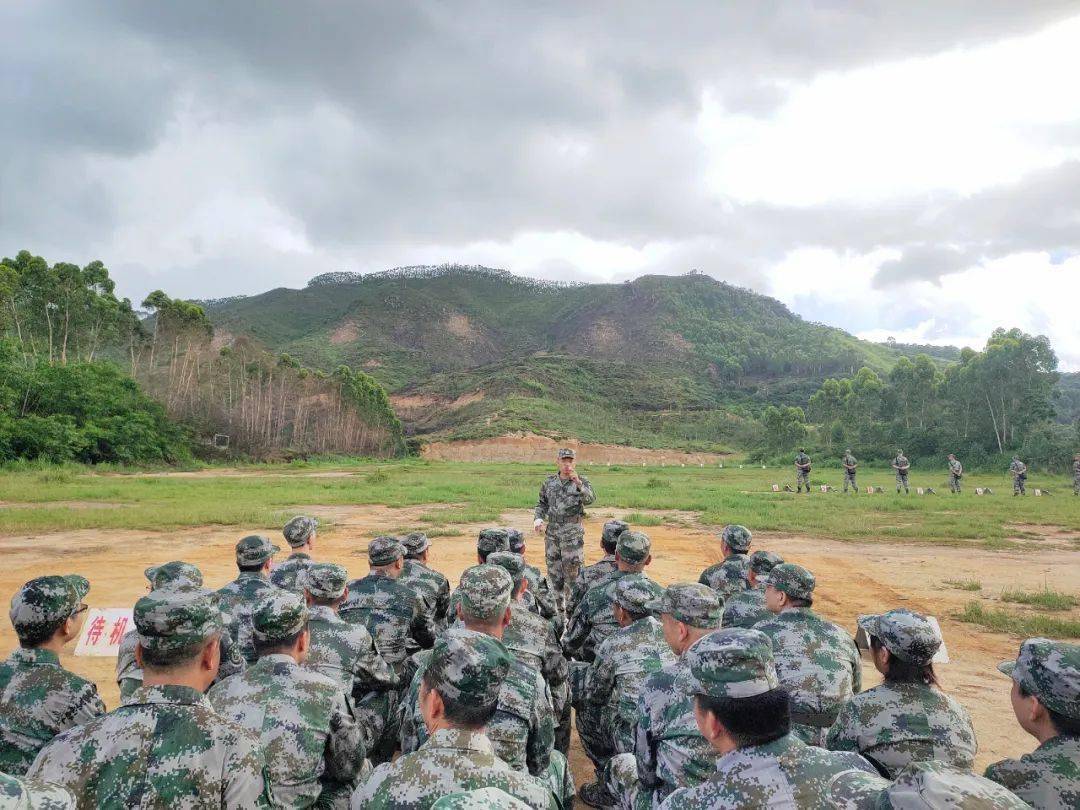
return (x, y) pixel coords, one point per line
(850, 463)
(562, 502)
(1019, 474)
(802, 471)
(299, 533)
(1076, 474)
(956, 472)
(901, 465)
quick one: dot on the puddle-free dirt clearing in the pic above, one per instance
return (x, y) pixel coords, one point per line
(852, 578)
(539, 449)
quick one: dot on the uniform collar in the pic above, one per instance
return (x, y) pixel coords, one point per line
(37, 657)
(1059, 741)
(299, 555)
(461, 740)
(322, 612)
(773, 748)
(252, 575)
(173, 694)
(273, 659)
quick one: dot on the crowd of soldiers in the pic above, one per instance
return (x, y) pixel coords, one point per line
(296, 686)
(901, 466)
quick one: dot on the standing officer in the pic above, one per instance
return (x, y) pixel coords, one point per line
(850, 464)
(1019, 474)
(956, 472)
(802, 471)
(562, 502)
(901, 465)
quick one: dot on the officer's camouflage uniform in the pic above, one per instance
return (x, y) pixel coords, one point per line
(165, 747)
(728, 576)
(431, 587)
(1019, 474)
(902, 468)
(25, 794)
(668, 749)
(746, 608)
(1049, 777)
(239, 598)
(314, 748)
(38, 697)
(849, 463)
(599, 572)
(479, 799)
(470, 668)
(816, 660)
(920, 785)
(895, 724)
(782, 773)
(540, 593)
(1076, 477)
(562, 504)
(802, 472)
(593, 620)
(956, 472)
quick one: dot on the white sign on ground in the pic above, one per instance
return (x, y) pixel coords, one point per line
(102, 631)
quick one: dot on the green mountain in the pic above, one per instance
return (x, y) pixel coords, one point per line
(471, 352)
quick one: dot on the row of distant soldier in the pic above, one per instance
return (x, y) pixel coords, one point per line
(902, 466)
(288, 685)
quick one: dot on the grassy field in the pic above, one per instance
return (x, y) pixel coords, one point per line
(71, 498)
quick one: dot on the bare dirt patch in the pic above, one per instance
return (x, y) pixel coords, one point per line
(461, 327)
(531, 447)
(410, 405)
(344, 332)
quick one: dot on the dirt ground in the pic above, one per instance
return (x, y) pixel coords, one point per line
(533, 448)
(852, 578)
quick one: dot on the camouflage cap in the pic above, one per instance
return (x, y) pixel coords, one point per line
(299, 530)
(633, 547)
(907, 635)
(255, 550)
(794, 580)
(468, 666)
(485, 592)
(635, 593)
(513, 564)
(385, 550)
(737, 537)
(567, 452)
(416, 543)
(1049, 670)
(44, 602)
(176, 572)
(612, 530)
(930, 785)
(733, 663)
(516, 539)
(690, 603)
(170, 619)
(489, 798)
(279, 616)
(324, 580)
(490, 540)
(762, 562)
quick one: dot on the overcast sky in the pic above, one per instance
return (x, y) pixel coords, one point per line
(893, 168)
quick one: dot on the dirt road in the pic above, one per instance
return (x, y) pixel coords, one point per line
(852, 578)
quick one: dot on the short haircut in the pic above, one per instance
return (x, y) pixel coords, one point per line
(278, 645)
(807, 602)
(901, 671)
(325, 602)
(462, 711)
(167, 659)
(39, 634)
(752, 720)
(609, 545)
(1065, 726)
(634, 617)
(251, 569)
(484, 554)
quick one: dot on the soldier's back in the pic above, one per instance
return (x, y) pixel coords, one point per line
(746, 608)
(532, 640)
(166, 748)
(286, 574)
(237, 601)
(387, 608)
(591, 576)
(728, 574)
(594, 622)
(345, 652)
(1048, 778)
(431, 588)
(38, 700)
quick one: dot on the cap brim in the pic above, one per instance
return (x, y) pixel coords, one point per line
(1007, 668)
(149, 573)
(80, 583)
(656, 606)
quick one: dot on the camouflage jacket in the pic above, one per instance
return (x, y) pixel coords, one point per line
(896, 724)
(802, 460)
(450, 761)
(432, 590)
(901, 464)
(668, 747)
(532, 641)
(746, 608)
(593, 620)
(391, 613)
(346, 653)
(817, 663)
(129, 675)
(730, 569)
(238, 600)
(588, 578)
(543, 597)
(38, 700)
(24, 794)
(285, 574)
(1048, 778)
(1076, 468)
(615, 680)
(165, 748)
(956, 468)
(1018, 468)
(560, 500)
(782, 773)
(311, 741)
(522, 730)
(848, 462)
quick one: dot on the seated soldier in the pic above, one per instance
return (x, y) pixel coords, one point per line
(254, 559)
(431, 587)
(746, 607)
(28, 794)
(458, 695)
(38, 697)
(599, 572)
(930, 784)
(734, 546)
(489, 541)
(540, 592)
(300, 535)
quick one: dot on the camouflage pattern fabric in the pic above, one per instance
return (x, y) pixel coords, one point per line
(176, 572)
(792, 579)
(24, 794)
(129, 675)
(286, 574)
(593, 621)
(956, 472)
(432, 590)
(1076, 477)
(901, 464)
(238, 600)
(896, 724)
(450, 761)
(693, 604)
(255, 550)
(589, 577)
(385, 550)
(38, 700)
(817, 663)
(727, 577)
(390, 612)
(1019, 474)
(533, 642)
(299, 530)
(541, 597)
(479, 799)
(849, 461)
(936, 784)
(562, 505)
(165, 748)
(1050, 670)
(746, 608)
(907, 635)
(802, 472)
(42, 603)
(314, 747)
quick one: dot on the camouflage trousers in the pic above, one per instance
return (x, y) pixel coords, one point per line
(595, 737)
(849, 479)
(1019, 484)
(954, 483)
(1076, 485)
(377, 714)
(621, 779)
(559, 779)
(901, 481)
(802, 479)
(564, 553)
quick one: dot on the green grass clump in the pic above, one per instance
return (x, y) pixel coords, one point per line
(639, 519)
(1045, 599)
(964, 584)
(1026, 626)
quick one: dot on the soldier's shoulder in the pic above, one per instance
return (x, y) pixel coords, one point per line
(521, 690)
